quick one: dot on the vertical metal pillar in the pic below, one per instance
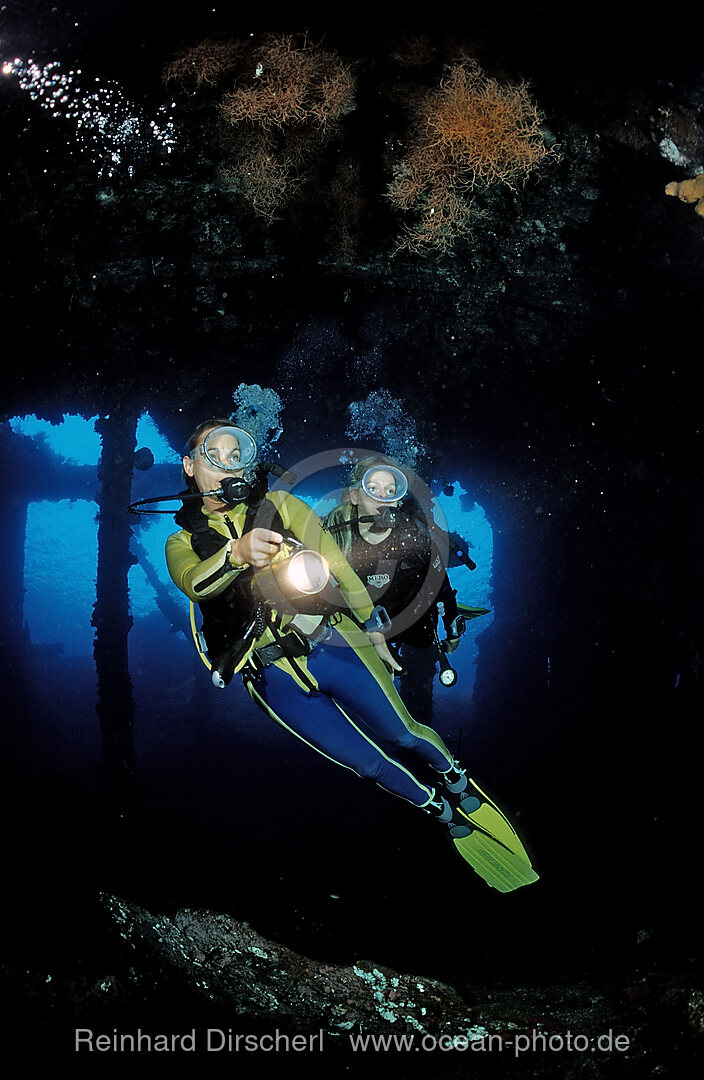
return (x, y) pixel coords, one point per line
(111, 618)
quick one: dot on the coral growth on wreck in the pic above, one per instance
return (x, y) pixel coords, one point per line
(280, 108)
(470, 130)
(689, 191)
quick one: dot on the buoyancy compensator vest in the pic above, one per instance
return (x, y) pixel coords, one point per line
(233, 620)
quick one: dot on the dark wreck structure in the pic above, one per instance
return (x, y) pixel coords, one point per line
(306, 209)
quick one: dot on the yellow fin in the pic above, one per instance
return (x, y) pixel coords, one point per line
(493, 848)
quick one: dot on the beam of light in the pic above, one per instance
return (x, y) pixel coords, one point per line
(308, 572)
(108, 127)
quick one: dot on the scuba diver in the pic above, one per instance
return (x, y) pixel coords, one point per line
(283, 609)
(394, 550)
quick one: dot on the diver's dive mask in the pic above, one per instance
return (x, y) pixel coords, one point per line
(384, 484)
(227, 448)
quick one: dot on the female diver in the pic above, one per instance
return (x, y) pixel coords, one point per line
(393, 550)
(323, 674)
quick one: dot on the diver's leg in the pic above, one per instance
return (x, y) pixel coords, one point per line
(415, 686)
(369, 691)
(318, 721)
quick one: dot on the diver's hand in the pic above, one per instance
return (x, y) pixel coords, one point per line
(382, 650)
(256, 548)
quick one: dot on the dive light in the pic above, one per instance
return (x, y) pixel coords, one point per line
(294, 579)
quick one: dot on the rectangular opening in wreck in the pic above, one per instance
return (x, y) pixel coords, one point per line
(59, 574)
(60, 568)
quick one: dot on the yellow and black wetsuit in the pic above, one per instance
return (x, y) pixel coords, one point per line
(340, 698)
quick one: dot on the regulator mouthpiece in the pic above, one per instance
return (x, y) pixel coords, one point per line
(235, 489)
(388, 517)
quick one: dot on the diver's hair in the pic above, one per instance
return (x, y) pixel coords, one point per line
(205, 425)
(338, 523)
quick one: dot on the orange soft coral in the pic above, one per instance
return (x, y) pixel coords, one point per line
(689, 191)
(471, 130)
(282, 100)
(205, 63)
(295, 83)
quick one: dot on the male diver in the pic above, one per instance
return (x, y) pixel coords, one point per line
(318, 664)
